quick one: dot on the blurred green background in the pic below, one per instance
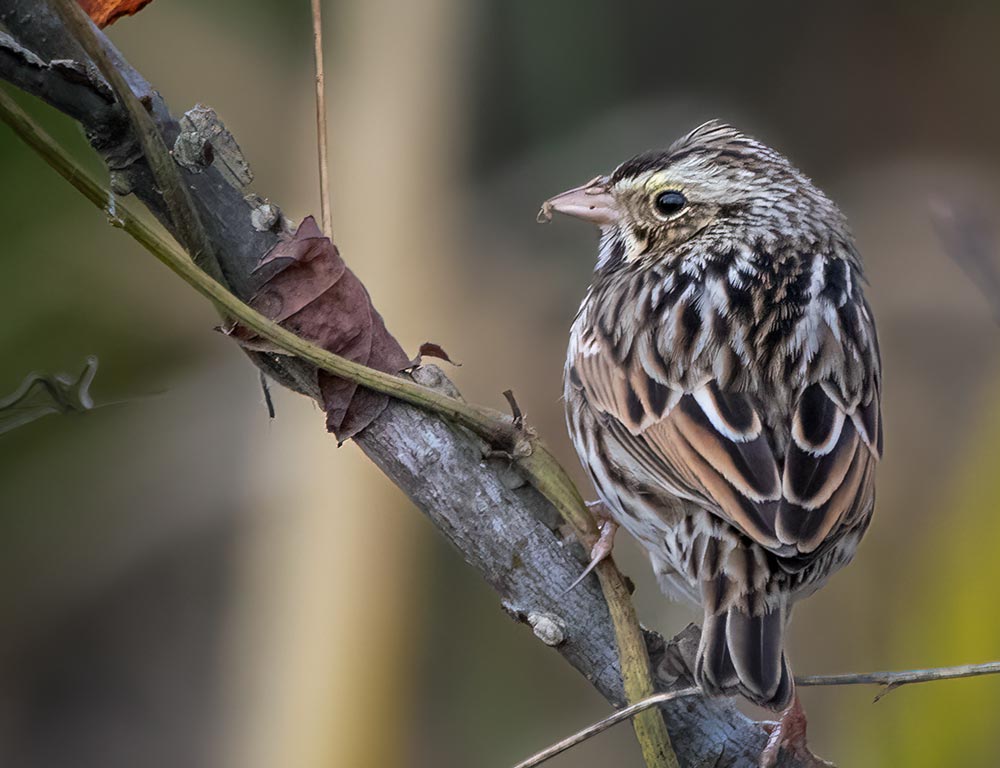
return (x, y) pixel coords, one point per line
(184, 583)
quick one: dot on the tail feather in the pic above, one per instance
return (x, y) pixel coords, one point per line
(756, 647)
(741, 653)
(714, 669)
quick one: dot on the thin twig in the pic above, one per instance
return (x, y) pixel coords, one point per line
(602, 725)
(324, 159)
(538, 464)
(66, 395)
(892, 681)
(70, 394)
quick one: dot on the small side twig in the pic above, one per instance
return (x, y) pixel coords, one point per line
(894, 680)
(891, 681)
(326, 215)
(602, 725)
(265, 388)
(515, 409)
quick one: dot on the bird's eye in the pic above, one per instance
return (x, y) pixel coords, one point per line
(670, 202)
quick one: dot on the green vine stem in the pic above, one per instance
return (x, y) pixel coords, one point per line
(496, 428)
(175, 194)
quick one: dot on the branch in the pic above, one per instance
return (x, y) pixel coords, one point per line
(497, 429)
(504, 527)
(183, 214)
(500, 432)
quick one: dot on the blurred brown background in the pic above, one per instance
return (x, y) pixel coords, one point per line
(184, 583)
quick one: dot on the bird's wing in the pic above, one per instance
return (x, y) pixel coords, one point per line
(828, 465)
(711, 446)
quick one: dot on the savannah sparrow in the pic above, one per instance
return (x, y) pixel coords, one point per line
(723, 388)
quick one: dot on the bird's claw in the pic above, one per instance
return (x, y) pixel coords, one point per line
(789, 735)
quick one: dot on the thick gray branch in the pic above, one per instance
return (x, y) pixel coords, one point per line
(503, 527)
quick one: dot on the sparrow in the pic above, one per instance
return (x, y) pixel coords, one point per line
(723, 388)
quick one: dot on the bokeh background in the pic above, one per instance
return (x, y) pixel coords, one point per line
(184, 582)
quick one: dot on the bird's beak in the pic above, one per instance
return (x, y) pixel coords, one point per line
(592, 202)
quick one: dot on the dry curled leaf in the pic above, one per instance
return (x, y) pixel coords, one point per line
(105, 12)
(318, 298)
(430, 349)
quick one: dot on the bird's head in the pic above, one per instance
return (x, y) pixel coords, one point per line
(713, 185)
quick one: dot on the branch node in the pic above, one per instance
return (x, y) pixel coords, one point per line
(265, 216)
(515, 409)
(121, 182)
(548, 628)
(201, 125)
(192, 151)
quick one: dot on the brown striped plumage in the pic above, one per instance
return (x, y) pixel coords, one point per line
(723, 388)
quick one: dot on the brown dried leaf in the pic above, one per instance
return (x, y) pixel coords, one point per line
(430, 349)
(317, 297)
(105, 12)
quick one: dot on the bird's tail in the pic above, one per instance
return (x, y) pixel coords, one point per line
(742, 653)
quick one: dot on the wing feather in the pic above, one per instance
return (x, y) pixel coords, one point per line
(713, 446)
(811, 478)
(746, 463)
(756, 519)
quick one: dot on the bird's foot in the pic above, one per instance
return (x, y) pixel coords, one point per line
(602, 547)
(788, 735)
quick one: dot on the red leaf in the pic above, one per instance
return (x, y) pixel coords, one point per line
(317, 297)
(105, 12)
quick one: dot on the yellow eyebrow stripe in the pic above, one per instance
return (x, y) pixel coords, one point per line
(658, 179)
